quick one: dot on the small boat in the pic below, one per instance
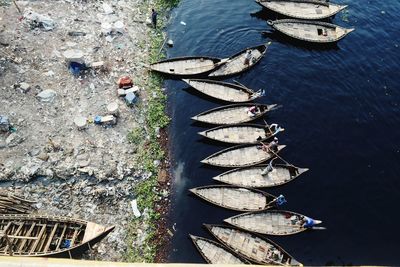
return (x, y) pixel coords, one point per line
(215, 253)
(187, 66)
(241, 156)
(273, 222)
(252, 177)
(234, 114)
(310, 31)
(235, 198)
(224, 91)
(45, 236)
(250, 246)
(237, 64)
(303, 9)
(241, 133)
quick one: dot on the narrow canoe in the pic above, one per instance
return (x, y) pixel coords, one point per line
(240, 133)
(250, 246)
(45, 236)
(310, 31)
(235, 198)
(187, 66)
(233, 114)
(215, 253)
(236, 63)
(271, 222)
(240, 156)
(228, 92)
(303, 9)
(252, 177)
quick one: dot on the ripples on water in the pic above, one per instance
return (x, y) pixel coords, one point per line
(341, 115)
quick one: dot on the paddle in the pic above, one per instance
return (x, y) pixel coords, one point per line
(276, 155)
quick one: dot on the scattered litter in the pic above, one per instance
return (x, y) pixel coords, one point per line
(130, 99)
(74, 55)
(80, 122)
(170, 43)
(183, 23)
(113, 109)
(170, 233)
(4, 124)
(46, 95)
(37, 20)
(125, 82)
(107, 120)
(107, 9)
(135, 209)
(77, 33)
(76, 68)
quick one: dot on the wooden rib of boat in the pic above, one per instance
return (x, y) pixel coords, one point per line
(233, 114)
(250, 246)
(45, 236)
(270, 222)
(240, 133)
(236, 63)
(223, 91)
(235, 198)
(303, 9)
(187, 66)
(252, 177)
(215, 253)
(240, 156)
(310, 31)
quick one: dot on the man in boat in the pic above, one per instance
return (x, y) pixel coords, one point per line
(154, 18)
(274, 129)
(252, 111)
(247, 58)
(268, 169)
(271, 147)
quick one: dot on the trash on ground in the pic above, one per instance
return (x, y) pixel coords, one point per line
(4, 124)
(170, 43)
(135, 209)
(125, 82)
(107, 120)
(46, 95)
(130, 99)
(37, 20)
(80, 122)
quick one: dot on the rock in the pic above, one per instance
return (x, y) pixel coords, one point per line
(43, 156)
(119, 26)
(113, 109)
(162, 176)
(74, 55)
(80, 122)
(107, 9)
(34, 152)
(83, 160)
(14, 139)
(25, 87)
(46, 95)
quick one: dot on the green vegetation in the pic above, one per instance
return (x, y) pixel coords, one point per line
(149, 149)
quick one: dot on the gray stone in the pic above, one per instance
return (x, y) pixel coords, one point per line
(46, 96)
(25, 87)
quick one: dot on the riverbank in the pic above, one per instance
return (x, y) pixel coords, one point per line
(94, 173)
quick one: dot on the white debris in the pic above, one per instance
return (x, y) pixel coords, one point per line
(46, 95)
(135, 209)
(39, 20)
(74, 55)
(183, 23)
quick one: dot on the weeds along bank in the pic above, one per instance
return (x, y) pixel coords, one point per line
(92, 174)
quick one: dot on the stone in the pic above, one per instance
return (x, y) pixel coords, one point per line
(14, 139)
(113, 109)
(162, 176)
(83, 160)
(74, 55)
(25, 87)
(80, 122)
(46, 95)
(43, 156)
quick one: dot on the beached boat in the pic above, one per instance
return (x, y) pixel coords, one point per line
(187, 66)
(241, 156)
(215, 253)
(250, 246)
(235, 198)
(303, 9)
(45, 236)
(241, 133)
(234, 114)
(257, 177)
(310, 31)
(236, 63)
(224, 91)
(273, 222)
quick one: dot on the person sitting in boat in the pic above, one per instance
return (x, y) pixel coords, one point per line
(275, 128)
(252, 111)
(268, 169)
(307, 222)
(248, 58)
(273, 146)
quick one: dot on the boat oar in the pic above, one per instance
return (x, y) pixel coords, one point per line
(276, 155)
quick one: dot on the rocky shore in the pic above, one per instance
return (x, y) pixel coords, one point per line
(88, 171)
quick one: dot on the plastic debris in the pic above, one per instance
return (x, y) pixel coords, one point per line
(130, 98)
(135, 209)
(4, 123)
(170, 43)
(183, 23)
(74, 55)
(107, 9)
(46, 95)
(39, 21)
(76, 68)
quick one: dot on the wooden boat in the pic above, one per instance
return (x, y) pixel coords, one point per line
(45, 236)
(187, 66)
(303, 9)
(233, 114)
(235, 198)
(236, 63)
(224, 91)
(271, 222)
(240, 156)
(252, 177)
(215, 253)
(241, 133)
(310, 31)
(250, 246)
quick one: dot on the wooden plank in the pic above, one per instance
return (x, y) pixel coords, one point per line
(77, 230)
(11, 242)
(26, 237)
(50, 238)
(61, 237)
(38, 238)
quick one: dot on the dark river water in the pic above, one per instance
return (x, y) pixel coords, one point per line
(340, 109)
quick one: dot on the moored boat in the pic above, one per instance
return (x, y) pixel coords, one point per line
(251, 246)
(257, 177)
(228, 92)
(238, 62)
(273, 222)
(242, 133)
(303, 9)
(215, 253)
(187, 66)
(310, 31)
(45, 236)
(234, 114)
(235, 198)
(241, 156)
